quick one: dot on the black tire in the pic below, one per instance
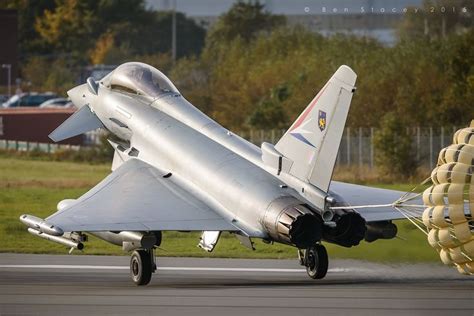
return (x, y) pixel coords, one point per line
(317, 262)
(141, 267)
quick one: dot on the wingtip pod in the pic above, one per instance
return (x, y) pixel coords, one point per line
(346, 75)
(40, 225)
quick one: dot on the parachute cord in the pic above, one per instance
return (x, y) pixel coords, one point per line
(465, 255)
(410, 214)
(412, 197)
(413, 205)
(402, 198)
(394, 205)
(361, 206)
(418, 211)
(413, 213)
(414, 217)
(411, 220)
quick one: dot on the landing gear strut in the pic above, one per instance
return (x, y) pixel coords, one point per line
(315, 258)
(142, 265)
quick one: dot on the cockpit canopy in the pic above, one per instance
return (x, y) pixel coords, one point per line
(141, 79)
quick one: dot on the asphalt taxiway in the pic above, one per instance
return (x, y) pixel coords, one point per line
(93, 285)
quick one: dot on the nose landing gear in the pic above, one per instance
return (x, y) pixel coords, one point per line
(142, 265)
(315, 259)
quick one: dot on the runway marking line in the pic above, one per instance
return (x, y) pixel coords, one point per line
(95, 267)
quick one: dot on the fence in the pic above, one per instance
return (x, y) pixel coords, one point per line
(356, 148)
(357, 145)
(29, 146)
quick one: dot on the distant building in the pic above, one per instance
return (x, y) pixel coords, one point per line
(34, 124)
(9, 45)
(374, 18)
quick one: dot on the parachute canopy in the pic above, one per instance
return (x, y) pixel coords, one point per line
(450, 203)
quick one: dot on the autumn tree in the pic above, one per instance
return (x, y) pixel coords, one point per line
(67, 28)
(393, 147)
(245, 20)
(95, 29)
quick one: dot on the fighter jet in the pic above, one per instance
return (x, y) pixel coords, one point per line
(176, 169)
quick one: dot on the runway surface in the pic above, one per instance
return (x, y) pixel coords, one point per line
(96, 285)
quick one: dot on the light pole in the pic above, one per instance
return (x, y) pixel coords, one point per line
(9, 69)
(173, 32)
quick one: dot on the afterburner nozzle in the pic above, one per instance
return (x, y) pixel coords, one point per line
(293, 224)
(305, 230)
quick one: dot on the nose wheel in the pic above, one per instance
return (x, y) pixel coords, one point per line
(316, 261)
(142, 265)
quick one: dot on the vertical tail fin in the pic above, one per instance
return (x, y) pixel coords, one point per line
(312, 142)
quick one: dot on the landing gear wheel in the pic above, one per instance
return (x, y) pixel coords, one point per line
(316, 261)
(141, 267)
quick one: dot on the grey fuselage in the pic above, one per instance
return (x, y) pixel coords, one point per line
(218, 167)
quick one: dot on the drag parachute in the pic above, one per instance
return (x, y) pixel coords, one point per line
(450, 203)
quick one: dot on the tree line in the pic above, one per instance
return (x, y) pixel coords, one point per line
(252, 70)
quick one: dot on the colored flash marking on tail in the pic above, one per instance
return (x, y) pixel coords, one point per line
(298, 129)
(302, 138)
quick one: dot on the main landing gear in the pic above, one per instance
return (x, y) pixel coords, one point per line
(315, 259)
(142, 265)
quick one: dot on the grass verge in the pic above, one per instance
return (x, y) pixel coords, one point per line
(35, 187)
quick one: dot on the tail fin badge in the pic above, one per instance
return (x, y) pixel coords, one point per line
(322, 120)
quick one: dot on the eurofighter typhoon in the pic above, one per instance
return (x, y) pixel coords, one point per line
(175, 169)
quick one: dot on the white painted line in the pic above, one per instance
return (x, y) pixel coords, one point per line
(94, 267)
(231, 269)
(61, 266)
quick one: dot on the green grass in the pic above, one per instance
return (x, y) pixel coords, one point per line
(35, 187)
(37, 173)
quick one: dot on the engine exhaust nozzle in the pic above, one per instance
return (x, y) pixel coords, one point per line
(293, 224)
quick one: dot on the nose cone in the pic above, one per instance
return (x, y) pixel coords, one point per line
(79, 95)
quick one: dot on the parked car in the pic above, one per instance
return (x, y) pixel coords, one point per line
(57, 103)
(3, 98)
(28, 99)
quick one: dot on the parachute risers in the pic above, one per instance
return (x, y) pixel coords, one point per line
(450, 203)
